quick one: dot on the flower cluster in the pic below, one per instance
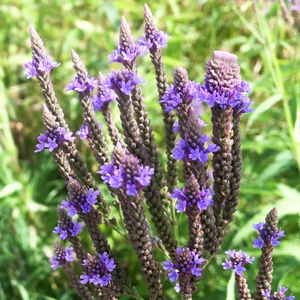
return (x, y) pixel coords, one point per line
(175, 96)
(185, 199)
(62, 256)
(237, 261)
(130, 175)
(80, 86)
(278, 295)
(100, 100)
(122, 81)
(194, 151)
(158, 41)
(82, 203)
(187, 262)
(52, 140)
(266, 236)
(67, 229)
(34, 68)
(98, 270)
(128, 55)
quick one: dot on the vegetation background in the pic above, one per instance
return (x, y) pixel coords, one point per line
(30, 185)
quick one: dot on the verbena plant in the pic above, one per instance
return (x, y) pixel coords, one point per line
(137, 179)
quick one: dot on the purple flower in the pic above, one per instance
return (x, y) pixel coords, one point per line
(81, 85)
(176, 127)
(67, 230)
(265, 236)
(83, 132)
(52, 140)
(237, 261)
(98, 269)
(186, 262)
(128, 55)
(130, 175)
(188, 149)
(186, 199)
(158, 41)
(100, 100)
(122, 81)
(80, 204)
(34, 68)
(62, 256)
(175, 95)
(278, 295)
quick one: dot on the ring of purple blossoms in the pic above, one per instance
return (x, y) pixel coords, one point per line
(158, 41)
(237, 260)
(234, 98)
(67, 230)
(121, 177)
(122, 81)
(52, 140)
(62, 257)
(201, 200)
(175, 96)
(82, 203)
(80, 85)
(187, 262)
(278, 295)
(98, 270)
(185, 149)
(265, 238)
(34, 68)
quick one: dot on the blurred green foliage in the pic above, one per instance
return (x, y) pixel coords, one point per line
(30, 185)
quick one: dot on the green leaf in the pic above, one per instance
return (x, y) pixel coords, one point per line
(230, 295)
(10, 188)
(262, 107)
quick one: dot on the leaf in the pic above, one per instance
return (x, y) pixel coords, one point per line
(262, 107)
(10, 188)
(230, 294)
(281, 163)
(288, 204)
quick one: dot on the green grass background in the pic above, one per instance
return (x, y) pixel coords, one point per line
(30, 185)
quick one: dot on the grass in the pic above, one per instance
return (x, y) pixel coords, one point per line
(30, 185)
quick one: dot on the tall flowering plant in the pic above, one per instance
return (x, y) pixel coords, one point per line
(137, 179)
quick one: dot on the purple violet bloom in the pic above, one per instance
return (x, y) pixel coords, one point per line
(67, 230)
(62, 256)
(82, 204)
(187, 261)
(201, 201)
(130, 175)
(84, 132)
(80, 86)
(52, 140)
(175, 96)
(265, 238)
(237, 261)
(32, 68)
(278, 295)
(127, 56)
(158, 41)
(122, 81)
(185, 149)
(98, 270)
(99, 101)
